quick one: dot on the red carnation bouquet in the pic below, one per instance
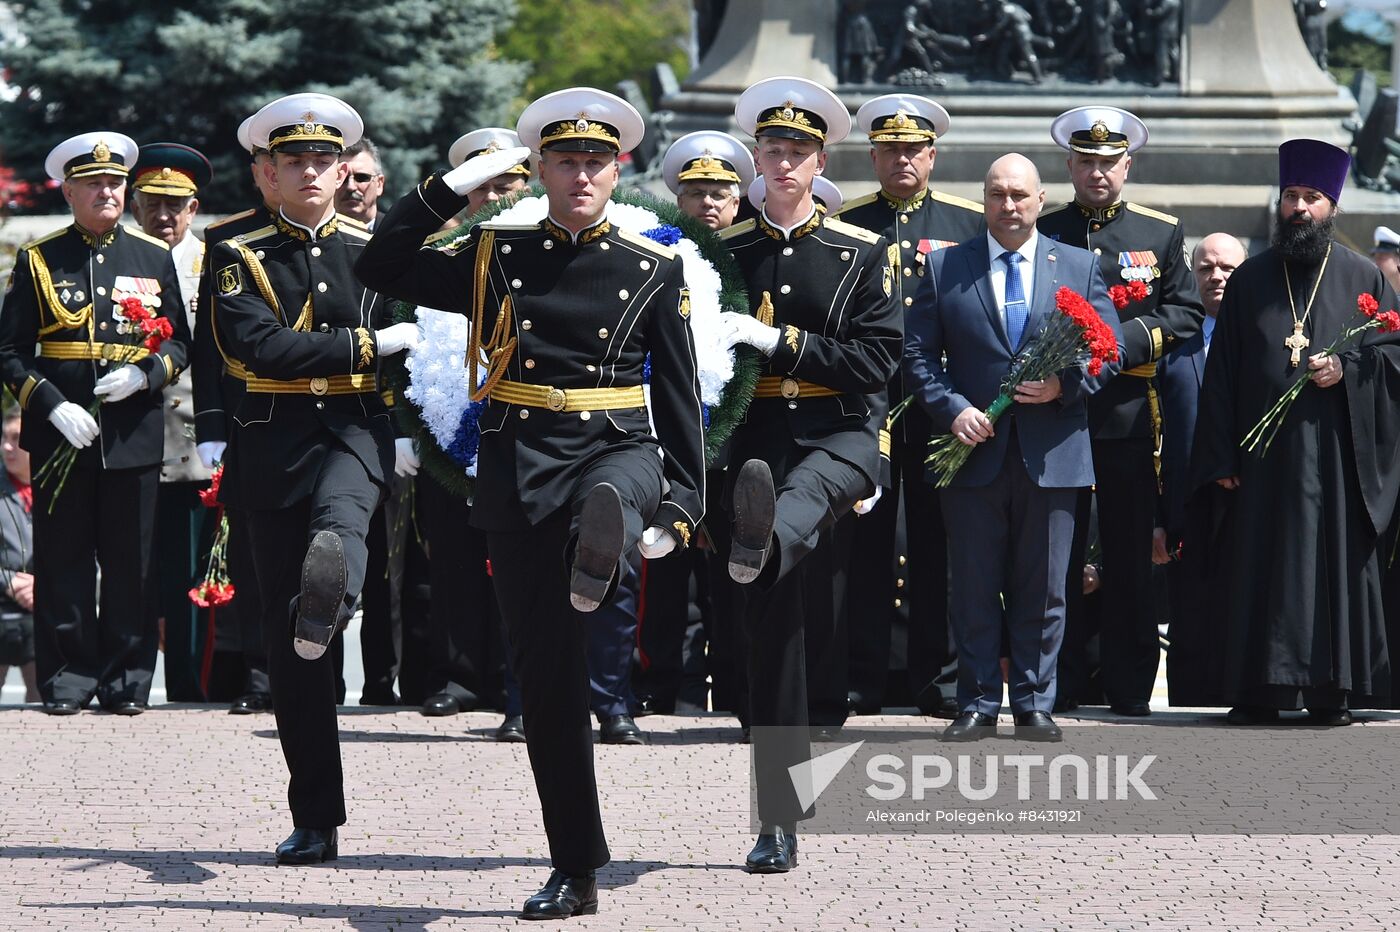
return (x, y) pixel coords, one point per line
(1123, 295)
(1074, 336)
(145, 332)
(1369, 316)
(215, 589)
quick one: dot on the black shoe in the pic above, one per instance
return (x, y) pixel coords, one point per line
(651, 705)
(620, 729)
(378, 697)
(322, 595)
(1037, 726)
(1252, 715)
(941, 707)
(1332, 717)
(971, 726)
(563, 896)
(63, 707)
(774, 853)
(440, 704)
(1132, 709)
(755, 510)
(309, 846)
(248, 703)
(599, 547)
(512, 730)
(129, 707)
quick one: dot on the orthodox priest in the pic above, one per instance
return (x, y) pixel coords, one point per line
(1295, 532)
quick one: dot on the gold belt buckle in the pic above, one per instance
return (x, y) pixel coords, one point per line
(108, 350)
(555, 400)
(320, 385)
(789, 388)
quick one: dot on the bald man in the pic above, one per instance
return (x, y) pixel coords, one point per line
(1213, 260)
(1010, 510)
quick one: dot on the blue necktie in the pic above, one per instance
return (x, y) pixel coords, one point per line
(1016, 308)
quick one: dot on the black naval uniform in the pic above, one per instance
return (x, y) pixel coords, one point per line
(217, 393)
(815, 420)
(878, 574)
(311, 450)
(1131, 242)
(584, 313)
(54, 335)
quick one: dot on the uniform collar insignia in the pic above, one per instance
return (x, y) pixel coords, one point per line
(96, 240)
(802, 229)
(297, 231)
(903, 204)
(589, 235)
(1101, 214)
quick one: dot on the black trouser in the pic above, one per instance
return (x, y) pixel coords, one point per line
(82, 649)
(1126, 489)
(468, 651)
(727, 658)
(303, 691)
(247, 603)
(661, 626)
(181, 544)
(549, 643)
(378, 611)
(814, 489)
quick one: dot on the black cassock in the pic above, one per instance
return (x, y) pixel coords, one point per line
(1287, 569)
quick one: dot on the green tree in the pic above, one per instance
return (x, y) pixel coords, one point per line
(597, 42)
(420, 72)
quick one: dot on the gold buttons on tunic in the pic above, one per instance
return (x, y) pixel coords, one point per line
(908, 271)
(315, 250)
(524, 413)
(905, 244)
(101, 290)
(101, 258)
(591, 368)
(602, 333)
(903, 218)
(787, 250)
(516, 283)
(584, 415)
(549, 244)
(605, 246)
(102, 326)
(786, 289)
(645, 265)
(898, 603)
(320, 406)
(908, 301)
(321, 287)
(903, 559)
(325, 328)
(260, 254)
(525, 325)
(529, 364)
(505, 249)
(845, 255)
(622, 294)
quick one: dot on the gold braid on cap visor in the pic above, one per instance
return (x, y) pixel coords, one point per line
(306, 132)
(582, 128)
(788, 117)
(900, 128)
(708, 168)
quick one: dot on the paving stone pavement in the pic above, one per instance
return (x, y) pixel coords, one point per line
(167, 821)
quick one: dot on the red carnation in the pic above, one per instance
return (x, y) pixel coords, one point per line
(1367, 304)
(1119, 296)
(1390, 321)
(1137, 290)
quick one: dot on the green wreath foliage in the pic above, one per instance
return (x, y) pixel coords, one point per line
(733, 297)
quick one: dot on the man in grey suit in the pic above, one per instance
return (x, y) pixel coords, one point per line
(1010, 510)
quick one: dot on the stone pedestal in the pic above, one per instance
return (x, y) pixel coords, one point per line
(1247, 84)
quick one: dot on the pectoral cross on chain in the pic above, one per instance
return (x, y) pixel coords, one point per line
(1296, 343)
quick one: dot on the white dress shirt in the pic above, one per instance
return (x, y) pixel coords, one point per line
(998, 270)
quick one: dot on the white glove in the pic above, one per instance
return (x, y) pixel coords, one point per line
(475, 172)
(406, 460)
(656, 543)
(867, 505)
(122, 382)
(75, 424)
(397, 337)
(211, 452)
(741, 328)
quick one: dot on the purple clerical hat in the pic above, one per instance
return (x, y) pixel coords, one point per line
(1312, 163)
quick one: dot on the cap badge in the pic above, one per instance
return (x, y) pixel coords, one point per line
(165, 172)
(1099, 131)
(787, 112)
(581, 124)
(308, 122)
(492, 146)
(100, 152)
(900, 120)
